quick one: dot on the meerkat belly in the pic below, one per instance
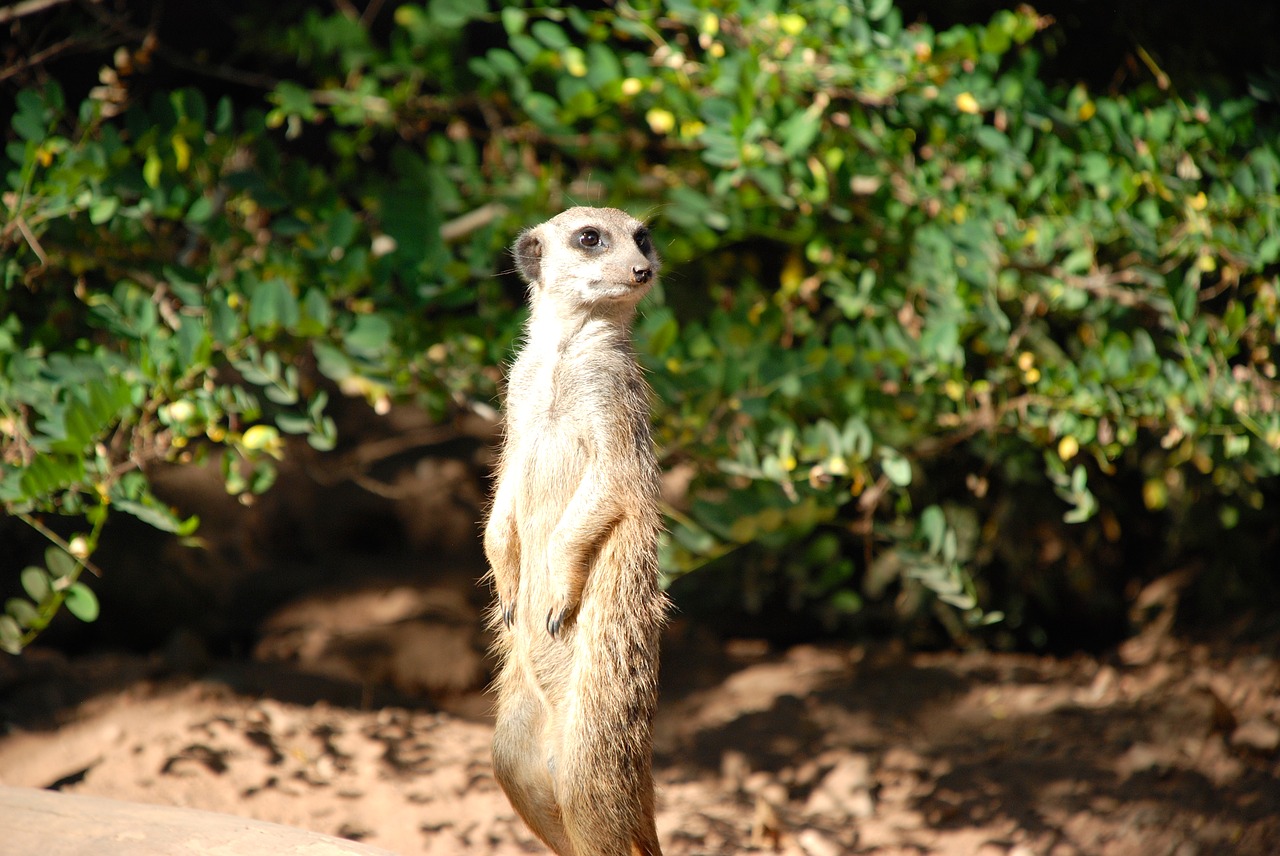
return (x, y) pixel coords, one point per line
(552, 465)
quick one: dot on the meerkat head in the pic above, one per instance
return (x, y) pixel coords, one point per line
(588, 256)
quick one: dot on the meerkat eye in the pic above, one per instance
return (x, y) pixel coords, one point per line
(589, 238)
(642, 240)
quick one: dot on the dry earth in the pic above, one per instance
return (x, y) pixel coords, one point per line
(360, 710)
(1163, 748)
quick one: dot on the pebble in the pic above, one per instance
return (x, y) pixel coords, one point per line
(1257, 735)
(814, 843)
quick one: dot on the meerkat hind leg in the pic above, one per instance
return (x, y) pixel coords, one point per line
(606, 803)
(521, 766)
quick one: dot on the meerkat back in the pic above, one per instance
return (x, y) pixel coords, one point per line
(572, 545)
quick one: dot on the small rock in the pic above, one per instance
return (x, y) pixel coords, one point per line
(845, 790)
(766, 825)
(734, 769)
(814, 843)
(1257, 735)
(849, 774)
(757, 782)
(862, 805)
(774, 794)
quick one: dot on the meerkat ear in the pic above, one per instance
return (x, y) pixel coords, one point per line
(528, 255)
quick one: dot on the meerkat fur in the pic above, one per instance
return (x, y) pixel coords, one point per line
(572, 545)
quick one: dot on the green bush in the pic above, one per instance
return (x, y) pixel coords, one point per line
(913, 289)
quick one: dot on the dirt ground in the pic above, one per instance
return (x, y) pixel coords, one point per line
(1162, 748)
(358, 707)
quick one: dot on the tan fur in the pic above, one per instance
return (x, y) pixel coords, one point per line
(572, 543)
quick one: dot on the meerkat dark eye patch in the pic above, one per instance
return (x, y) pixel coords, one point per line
(590, 238)
(643, 242)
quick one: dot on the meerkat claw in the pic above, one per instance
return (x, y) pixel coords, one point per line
(508, 615)
(554, 622)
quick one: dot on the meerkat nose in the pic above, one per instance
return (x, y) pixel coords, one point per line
(641, 275)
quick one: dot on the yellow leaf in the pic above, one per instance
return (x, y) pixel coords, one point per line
(151, 169)
(966, 103)
(792, 275)
(262, 438)
(660, 121)
(181, 152)
(792, 24)
(1068, 447)
(575, 62)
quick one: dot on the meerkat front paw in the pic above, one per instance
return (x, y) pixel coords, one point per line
(557, 617)
(555, 620)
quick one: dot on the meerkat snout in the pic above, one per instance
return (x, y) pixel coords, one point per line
(641, 275)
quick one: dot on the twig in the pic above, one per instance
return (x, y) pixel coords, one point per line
(27, 7)
(59, 541)
(460, 227)
(32, 241)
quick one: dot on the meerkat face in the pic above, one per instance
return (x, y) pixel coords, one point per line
(588, 256)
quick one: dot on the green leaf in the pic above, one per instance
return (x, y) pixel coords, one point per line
(326, 438)
(272, 304)
(103, 209)
(454, 14)
(82, 602)
(30, 120)
(159, 516)
(933, 526)
(370, 336)
(331, 362)
(513, 19)
(200, 211)
(896, 468)
(23, 611)
(550, 34)
(798, 133)
(60, 563)
(36, 583)
(10, 635)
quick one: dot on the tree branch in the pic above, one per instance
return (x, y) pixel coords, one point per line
(27, 7)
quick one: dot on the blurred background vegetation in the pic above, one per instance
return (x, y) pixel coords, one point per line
(967, 332)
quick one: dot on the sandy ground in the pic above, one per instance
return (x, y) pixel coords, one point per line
(1162, 748)
(360, 709)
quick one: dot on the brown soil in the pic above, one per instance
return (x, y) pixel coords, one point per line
(1161, 749)
(361, 711)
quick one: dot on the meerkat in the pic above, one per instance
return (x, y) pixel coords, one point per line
(571, 540)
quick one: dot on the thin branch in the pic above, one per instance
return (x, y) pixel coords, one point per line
(59, 541)
(27, 7)
(461, 226)
(32, 241)
(39, 57)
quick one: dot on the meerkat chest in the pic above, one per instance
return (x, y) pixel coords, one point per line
(567, 383)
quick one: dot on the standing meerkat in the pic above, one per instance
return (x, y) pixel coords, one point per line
(572, 543)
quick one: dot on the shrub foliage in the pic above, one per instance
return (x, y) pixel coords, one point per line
(919, 300)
